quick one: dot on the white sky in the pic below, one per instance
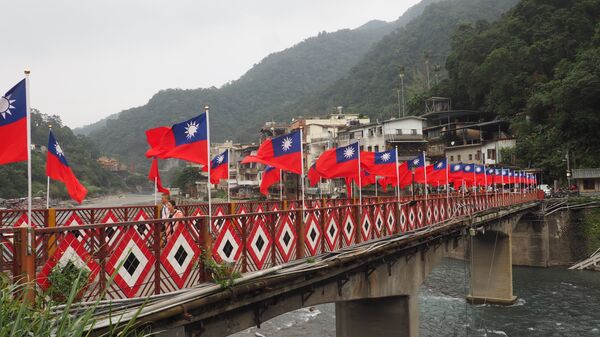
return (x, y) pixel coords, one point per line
(89, 59)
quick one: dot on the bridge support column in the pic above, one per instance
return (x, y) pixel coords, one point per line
(396, 316)
(491, 267)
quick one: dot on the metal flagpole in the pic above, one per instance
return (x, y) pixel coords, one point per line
(280, 185)
(48, 182)
(209, 164)
(302, 168)
(425, 176)
(155, 191)
(397, 175)
(376, 186)
(228, 177)
(28, 112)
(359, 179)
(485, 185)
(447, 181)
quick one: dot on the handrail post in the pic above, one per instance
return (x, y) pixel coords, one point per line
(26, 262)
(300, 228)
(51, 223)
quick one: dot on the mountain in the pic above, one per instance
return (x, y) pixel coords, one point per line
(240, 107)
(80, 152)
(371, 86)
(539, 68)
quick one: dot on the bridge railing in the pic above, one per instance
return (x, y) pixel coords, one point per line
(158, 256)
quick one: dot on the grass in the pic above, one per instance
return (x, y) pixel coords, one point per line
(591, 223)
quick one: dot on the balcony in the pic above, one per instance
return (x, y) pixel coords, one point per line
(397, 138)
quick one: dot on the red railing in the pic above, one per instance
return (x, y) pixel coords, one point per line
(157, 256)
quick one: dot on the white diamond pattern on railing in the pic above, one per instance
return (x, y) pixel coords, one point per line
(365, 227)
(286, 239)
(259, 243)
(379, 223)
(312, 235)
(332, 233)
(180, 255)
(228, 245)
(348, 228)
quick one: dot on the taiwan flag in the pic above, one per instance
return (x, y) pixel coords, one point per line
(490, 174)
(456, 173)
(57, 168)
(283, 152)
(154, 174)
(187, 140)
(219, 167)
(479, 175)
(405, 178)
(13, 125)
(417, 165)
(313, 176)
(438, 173)
(382, 164)
(270, 176)
(339, 162)
(468, 174)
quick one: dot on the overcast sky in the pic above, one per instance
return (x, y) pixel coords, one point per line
(89, 59)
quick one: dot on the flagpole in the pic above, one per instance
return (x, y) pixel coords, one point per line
(209, 164)
(228, 177)
(376, 186)
(397, 174)
(447, 182)
(28, 112)
(359, 179)
(302, 168)
(425, 176)
(155, 191)
(280, 185)
(48, 180)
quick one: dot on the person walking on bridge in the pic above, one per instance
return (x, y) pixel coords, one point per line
(174, 213)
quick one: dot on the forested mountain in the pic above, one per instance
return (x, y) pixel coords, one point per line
(539, 67)
(371, 87)
(81, 154)
(240, 107)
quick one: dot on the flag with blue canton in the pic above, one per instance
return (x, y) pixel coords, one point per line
(286, 144)
(283, 152)
(190, 131)
(346, 153)
(13, 125)
(440, 165)
(418, 161)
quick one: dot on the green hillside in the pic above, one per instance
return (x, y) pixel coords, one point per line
(538, 67)
(371, 87)
(80, 152)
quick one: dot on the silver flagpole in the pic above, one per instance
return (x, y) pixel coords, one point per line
(397, 174)
(302, 168)
(228, 177)
(359, 180)
(280, 185)
(48, 182)
(376, 186)
(28, 112)
(155, 191)
(425, 176)
(206, 109)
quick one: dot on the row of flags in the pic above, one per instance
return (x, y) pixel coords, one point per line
(14, 122)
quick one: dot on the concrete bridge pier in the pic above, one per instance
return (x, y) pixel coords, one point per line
(396, 316)
(491, 266)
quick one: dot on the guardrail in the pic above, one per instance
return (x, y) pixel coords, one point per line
(158, 256)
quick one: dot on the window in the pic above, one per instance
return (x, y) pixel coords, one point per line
(458, 157)
(589, 184)
(369, 149)
(413, 131)
(451, 158)
(376, 148)
(399, 132)
(477, 155)
(371, 132)
(470, 156)
(491, 154)
(380, 130)
(362, 148)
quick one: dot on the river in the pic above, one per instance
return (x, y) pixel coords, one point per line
(551, 302)
(120, 200)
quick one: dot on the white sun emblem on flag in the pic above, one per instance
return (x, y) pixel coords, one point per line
(286, 144)
(220, 159)
(191, 129)
(59, 150)
(6, 105)
(349, 152)
(385, 157)
(416, 162)
(457, 167)
(439, 165)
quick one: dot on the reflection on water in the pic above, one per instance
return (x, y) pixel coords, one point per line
(552, 302)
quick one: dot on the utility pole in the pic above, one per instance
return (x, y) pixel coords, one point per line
(568, 169)
(426, 57)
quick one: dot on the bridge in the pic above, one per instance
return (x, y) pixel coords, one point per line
(369, 259)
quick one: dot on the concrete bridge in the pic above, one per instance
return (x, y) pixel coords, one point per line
(369, 260)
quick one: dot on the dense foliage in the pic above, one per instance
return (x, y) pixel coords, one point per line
(371, 87)
(81, 154)
(538, 67)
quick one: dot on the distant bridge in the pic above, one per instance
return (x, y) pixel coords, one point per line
(369, 260)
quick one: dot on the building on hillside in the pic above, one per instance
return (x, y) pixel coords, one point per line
(111, 164)
(272, 129)
(587, 180)
(406, 133)
(466, 136)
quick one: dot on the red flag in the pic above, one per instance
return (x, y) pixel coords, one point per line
(282, 152)
(57, 168)
(381, 164)
(219, 168)
(313, 176)
(340, 162)
(155, 174)
(405, 178)
(270, 176)
(13, 125)
(186, 140)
